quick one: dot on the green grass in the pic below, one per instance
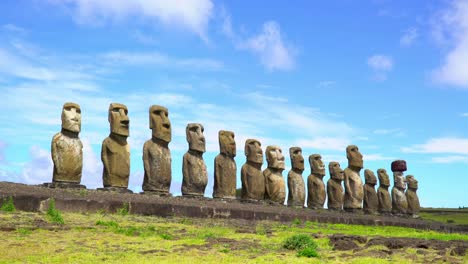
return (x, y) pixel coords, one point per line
(8, 205)
(54, 215)
(303, 244)
(460, 218)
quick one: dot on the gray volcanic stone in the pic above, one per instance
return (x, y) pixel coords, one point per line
(296, 186)
(354, 192)
(315, 185)
(253, 182)
(385, 201)
(225, 167)
(334, 187)
(412, 196)
(195, 175)
(371, 202)
(275, 189)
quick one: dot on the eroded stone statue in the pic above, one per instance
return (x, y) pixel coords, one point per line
(412, 196)
(334, 188)
(354, 192)
(385, 201)
(275, 189)
(315, 185)
(195, 175)
(296, 186)
(115, 151)
(253, 182)
(225, 167)
(67, 150)
(156, 153)
(371, 202)
(399, 201)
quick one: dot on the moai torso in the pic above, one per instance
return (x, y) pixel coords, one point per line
(116, 159)
(225, 168)
(195, 174)
(296, 186)
(334, 188)
(253, 182)
(399, 201)
(354, 190)
(385, 201)
(412, 196)
(315, 186)
(371, 202)
(275, 189)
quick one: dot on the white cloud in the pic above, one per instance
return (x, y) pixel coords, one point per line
(326, 84)
(325, 143)
(193, 15)
(380, 62)
(451, 159)
(451, 26)
(14, 29)
(376, 157)
(409, 36)
(464, 114)
(440, 145)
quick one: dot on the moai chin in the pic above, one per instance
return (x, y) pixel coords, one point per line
(399, 201)
(156, 153)
(275, 189)
(315, 185)
(354, 192)
(253, 182)
(195, 175)
(67, 150)
(115, 151)
(225, 167)
(385, 201)
(371, 202)
(296, 185)
(334, 188)
(412, 196)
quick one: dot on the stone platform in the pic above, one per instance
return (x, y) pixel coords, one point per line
(36, 198)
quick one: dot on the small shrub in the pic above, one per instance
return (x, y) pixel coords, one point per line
(53, 214)
(305, 246)
(8, 205)
(123, 211)
(308, 252)
(296, 222)
(107, 223)
(23, 231)
(260, 230)
(165, 236)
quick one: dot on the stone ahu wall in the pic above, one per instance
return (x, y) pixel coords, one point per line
(345, 189)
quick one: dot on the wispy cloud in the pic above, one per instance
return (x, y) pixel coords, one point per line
(451, 159)
(409, 37)
(464, 114)
(440, 145)
(14, 29)
(381, 65)
(376, 157)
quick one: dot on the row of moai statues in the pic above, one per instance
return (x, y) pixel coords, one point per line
(257, 185)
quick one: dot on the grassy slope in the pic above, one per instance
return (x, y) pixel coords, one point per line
(98, 238)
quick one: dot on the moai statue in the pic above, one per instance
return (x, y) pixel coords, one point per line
(225, 167)
(385, 202)
(67, 150)
(275, 189)
(115, 151)
(399, 201)
(371, 202)
(412, 196)
(315, 186)
(156, 153)
(354, 191)
(334, 189)
(194, 167)
(253, 182)
(296, 186)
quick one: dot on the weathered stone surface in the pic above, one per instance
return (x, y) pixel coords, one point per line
(412, 196)
(334, 188)
(67, 149)
(115, 151)
(253, 182)
(385, 201)
(275, 189)
(371, 202)
(156, 153)
(354, 193)
(195, 175)
(399, 165)
(315, 186)
(225, 167)
(399, 201)
(296, 186)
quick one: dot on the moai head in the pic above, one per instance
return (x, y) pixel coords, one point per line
(383, 177)
(253, 151)
(399, 165)
(370, 178)
(336, 172)
(118, 119)
(297, 160)
(159, 123)
(412, 182)
(71, 117)
(316, 164)
(354, 157)
(275, 158)
(227, 144)
(195, 137)
(399, 180)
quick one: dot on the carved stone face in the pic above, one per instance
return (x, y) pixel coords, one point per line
(297, 160)
(118, 119)
(253, 151)
(195, 137)
(370, 177)
(412, 182)
(335, 171)
(316, 164)
(227, 144)
(71, 117)
(275, 157)
(399, 180)
(383, 177)
(354, 157)
(159, 123)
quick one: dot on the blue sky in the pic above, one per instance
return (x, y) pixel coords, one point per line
(388, 76)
